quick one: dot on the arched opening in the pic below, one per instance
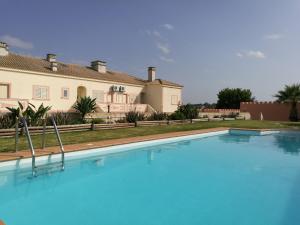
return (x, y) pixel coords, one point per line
(81, 92)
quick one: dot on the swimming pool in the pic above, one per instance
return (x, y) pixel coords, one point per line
(228, 179)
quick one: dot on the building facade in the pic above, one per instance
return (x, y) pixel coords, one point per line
(59, 85)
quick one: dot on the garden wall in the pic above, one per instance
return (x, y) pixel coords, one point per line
(212, 113)
(274, 111)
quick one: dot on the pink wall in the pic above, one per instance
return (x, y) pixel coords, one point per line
(271, 110)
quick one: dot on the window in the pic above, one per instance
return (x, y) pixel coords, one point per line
(4, 90)
(174, 100)
(120, 98)
(65, 93)
(98, 95)
(41, 92)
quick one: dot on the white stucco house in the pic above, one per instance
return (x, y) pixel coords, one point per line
(57, 84)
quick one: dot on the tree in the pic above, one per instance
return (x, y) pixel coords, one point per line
(290, 94)
(230, 98)
(187, 111)
(84, 106)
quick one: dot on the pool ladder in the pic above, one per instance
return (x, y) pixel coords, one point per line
(62, 151)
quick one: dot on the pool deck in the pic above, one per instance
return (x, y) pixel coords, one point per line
(8, 156)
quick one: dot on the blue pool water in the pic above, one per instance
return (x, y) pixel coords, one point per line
(220, 180)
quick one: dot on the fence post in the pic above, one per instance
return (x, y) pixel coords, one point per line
(135, 123)
(17, 135)
(92, 125)
(44, 134)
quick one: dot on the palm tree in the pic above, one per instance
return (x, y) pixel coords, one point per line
(290, 94)
(84, 106)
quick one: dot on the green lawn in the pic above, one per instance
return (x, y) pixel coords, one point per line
(7, 144)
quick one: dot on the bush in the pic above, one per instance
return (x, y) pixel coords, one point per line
(121, 120)
(97, 121)
(187, 111)
(158, 116)
(6, 121)
(33, 116)
(177, 115)
(85, 106)
(64, 118)
(132, 116)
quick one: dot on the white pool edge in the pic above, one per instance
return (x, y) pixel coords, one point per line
(26, 162)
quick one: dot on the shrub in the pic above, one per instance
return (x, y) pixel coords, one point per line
(177, 115)
(64, 118)
(36, 115)
(32, 115)
(158, 116)
(85, 106)
(189, 111)
(6, 121)
(133, 116)
(121, 120)
(97, 121)
(231, 115)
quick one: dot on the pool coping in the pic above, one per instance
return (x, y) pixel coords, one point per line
(23, 154)
(99, 145)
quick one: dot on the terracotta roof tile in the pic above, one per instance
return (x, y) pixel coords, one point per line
(165, 82)
(20, 62)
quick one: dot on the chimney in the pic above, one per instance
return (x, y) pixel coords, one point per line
(151, 73)
(99, 66)
(54, 66)
(51, 58)
(3, 49)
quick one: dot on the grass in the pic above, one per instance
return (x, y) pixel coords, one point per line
(7, 144)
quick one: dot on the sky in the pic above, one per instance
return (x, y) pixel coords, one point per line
(205, 45)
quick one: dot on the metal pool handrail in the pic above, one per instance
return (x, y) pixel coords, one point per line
(29, 140)
(30, 146)
(62, 150)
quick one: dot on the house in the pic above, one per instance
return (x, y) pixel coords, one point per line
(53, 83)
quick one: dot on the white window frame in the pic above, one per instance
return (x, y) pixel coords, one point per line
(7, 85)
(174, 100)
(41, 95)
(63, 93)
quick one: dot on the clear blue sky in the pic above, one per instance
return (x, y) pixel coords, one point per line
(205, 45)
